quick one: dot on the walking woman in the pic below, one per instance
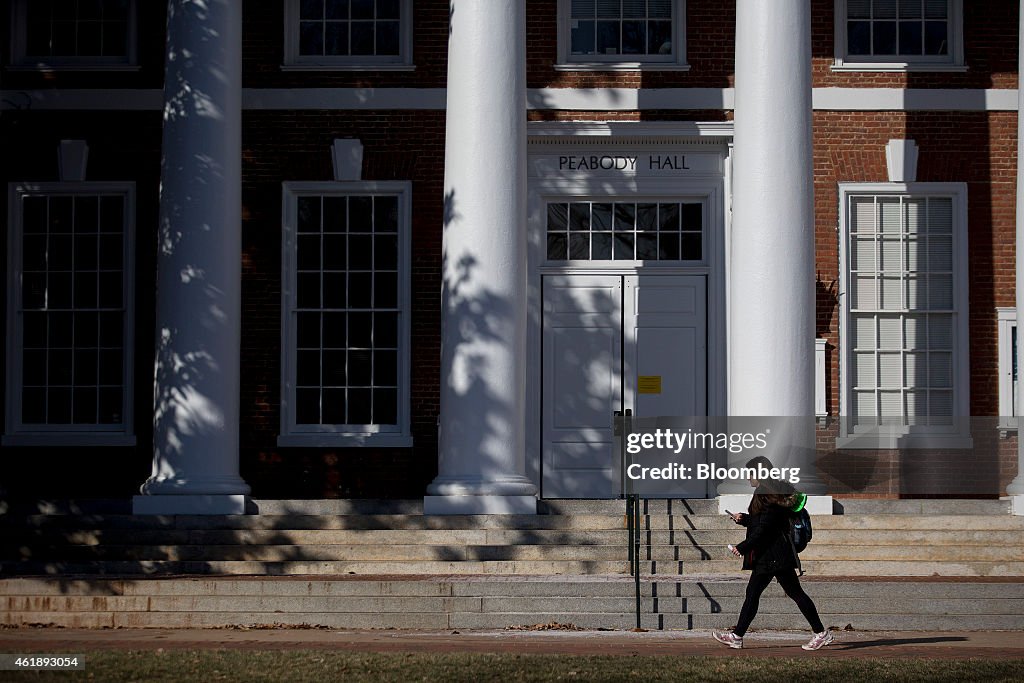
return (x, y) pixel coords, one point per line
(768, 554)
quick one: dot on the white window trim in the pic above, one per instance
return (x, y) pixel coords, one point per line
(19, 61)
(957, 436)
(343, 435)
(293, 61)
(954, 62)
(1007, 323)
(566, 62)
(16, 433)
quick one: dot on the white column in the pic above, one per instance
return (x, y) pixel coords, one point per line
(1016, 487)
(198, 302)
(481, 458)
(771, 344)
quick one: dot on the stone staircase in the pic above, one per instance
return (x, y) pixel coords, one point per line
(382, 564)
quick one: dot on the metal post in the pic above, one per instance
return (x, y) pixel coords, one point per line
(636, 554)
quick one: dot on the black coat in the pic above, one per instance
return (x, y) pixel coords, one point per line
(767, 548)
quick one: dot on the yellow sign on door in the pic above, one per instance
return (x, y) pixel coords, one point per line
(648, 384)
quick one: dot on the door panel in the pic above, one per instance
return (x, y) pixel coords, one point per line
(582, 368)
(665, 337)
(600, 333)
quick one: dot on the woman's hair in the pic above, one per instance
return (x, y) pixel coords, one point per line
(772, 492)
(760, 460)
(761, 501)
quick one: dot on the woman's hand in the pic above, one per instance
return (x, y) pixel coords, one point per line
(734, 551)
(737, 517)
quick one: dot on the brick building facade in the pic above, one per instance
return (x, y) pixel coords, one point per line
(949, 87)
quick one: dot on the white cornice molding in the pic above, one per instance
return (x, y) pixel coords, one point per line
(547, 99)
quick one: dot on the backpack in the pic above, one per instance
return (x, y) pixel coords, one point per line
(801, 530)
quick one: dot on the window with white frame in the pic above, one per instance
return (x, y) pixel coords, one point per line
(1007, 340)
(904, 309)
(73, 33)
(355, 34)
(70, 313)
(633, 231)
(345, 308)
(609, 34)
(899, 34)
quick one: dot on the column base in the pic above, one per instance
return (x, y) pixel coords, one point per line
(816, 505)
(1017, 505)
(479, 505)
(191, 505)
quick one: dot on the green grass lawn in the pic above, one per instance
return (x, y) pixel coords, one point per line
(324, 666)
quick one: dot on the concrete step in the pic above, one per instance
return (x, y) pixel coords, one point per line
(497, 602)
(311, 522)
(863, 506)
(311, 567)
(481, 620)
(846, 568)
(457, 552)
(505, 587)
(666, 568)
(614, 537)
(696, 506)
(508, 522)
(495, 605)
(365, 552)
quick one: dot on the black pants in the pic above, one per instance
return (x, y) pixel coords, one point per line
(791, 584)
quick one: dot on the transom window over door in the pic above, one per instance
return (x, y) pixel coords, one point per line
(905, 345)
(69, 325)
(632, 231)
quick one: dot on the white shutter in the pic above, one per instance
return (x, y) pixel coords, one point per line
(858, 9)
(916, 367)
(940, 292)
(890, 371)
(940, 215)
(940, 332)
(863, 254)
(582, 9)
(915, 331)
(885, 9)
(889, 215)
(889, 337)
(865, 370)
(890, 253)
(936, 9)
(862, 215)
(864, 332)
(940, 253)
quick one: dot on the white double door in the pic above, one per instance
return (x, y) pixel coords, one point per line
(613, 343)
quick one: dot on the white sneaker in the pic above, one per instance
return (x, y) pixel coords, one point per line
(819, 640)
(728, 638)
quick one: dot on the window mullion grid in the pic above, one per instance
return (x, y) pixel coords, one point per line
(348, 292)
(49, 318)
(877, 338)
(320, 314)
(373, 295)
(924, 270)
(74, 272)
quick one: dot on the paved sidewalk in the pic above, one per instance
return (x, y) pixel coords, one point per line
(943, 645)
